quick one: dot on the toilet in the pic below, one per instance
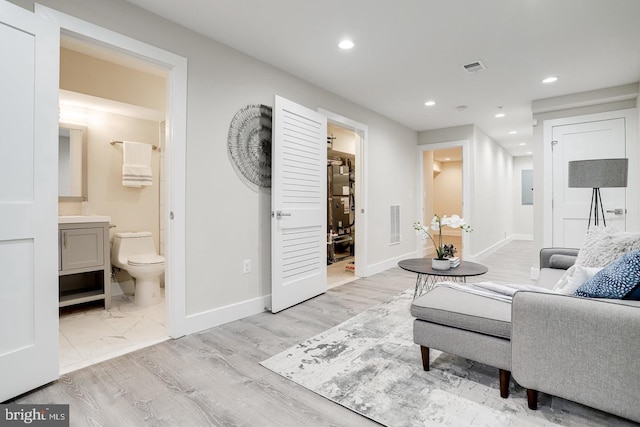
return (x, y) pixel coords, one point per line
(136, 253)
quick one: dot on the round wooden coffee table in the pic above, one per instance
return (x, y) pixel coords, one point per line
(428, 277)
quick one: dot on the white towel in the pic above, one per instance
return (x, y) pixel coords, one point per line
(136, 164)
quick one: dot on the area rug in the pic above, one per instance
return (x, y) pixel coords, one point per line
(370, 365)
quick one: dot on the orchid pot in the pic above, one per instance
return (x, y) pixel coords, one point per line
(440, 264)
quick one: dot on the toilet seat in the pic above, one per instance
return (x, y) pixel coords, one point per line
(145, 259)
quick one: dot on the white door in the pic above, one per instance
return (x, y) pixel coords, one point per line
(298, 204)
(603, 139)
(28, 201)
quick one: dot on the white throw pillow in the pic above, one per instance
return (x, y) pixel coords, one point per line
(603, 245)
(574, 277)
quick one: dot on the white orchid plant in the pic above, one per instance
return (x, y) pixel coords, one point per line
(454, 221)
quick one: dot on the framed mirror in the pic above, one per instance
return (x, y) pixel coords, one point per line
(72, 162)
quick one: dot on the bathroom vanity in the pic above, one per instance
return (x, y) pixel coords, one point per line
(84, 262)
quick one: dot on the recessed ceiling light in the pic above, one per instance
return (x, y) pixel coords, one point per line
(447, 158)
(430, 103)
(513, 132)
(500, 113)
(550, 79)
(523, 144)
(529, 152)
(346, 44)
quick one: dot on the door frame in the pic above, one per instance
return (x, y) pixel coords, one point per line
(466, 189)
(631, 140)
(175, 153)
(361, 197)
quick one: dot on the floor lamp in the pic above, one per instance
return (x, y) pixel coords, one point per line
(597, 174)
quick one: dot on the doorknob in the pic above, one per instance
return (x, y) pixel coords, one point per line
(618, 211)
(280, 214)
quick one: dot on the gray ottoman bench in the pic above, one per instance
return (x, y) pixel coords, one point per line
(467, 325)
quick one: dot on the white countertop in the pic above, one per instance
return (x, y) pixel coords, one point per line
(75, 219)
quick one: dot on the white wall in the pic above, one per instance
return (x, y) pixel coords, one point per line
(227, 221)
(392, 179)
(596, 101)
(491, 193)
(522, 214)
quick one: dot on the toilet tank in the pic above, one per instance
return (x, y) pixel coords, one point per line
(131, 243)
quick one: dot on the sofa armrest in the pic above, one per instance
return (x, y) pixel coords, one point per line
(547, 253)
(580, 349)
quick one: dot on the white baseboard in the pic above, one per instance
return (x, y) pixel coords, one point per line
(370, 270)
(488, 251)
(219, 316)
(527, 237)
(493, 248)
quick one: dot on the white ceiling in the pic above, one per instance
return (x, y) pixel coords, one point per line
(409, 51)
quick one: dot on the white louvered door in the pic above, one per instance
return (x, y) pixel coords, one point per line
(298, 204)
(28, 201)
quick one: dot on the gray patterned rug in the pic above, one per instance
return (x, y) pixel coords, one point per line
(370, 365)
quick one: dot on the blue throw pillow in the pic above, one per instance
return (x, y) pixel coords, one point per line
(614, 281)
(634, 294)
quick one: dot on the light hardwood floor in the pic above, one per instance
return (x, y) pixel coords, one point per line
(213, 377)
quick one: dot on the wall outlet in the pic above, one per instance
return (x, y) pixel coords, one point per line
(246, 266)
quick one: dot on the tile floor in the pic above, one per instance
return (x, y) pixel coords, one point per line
(89, 335)
(337, 275)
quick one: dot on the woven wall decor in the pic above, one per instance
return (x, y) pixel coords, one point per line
(249, 144)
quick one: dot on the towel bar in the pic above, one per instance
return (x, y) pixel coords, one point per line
(153, 147)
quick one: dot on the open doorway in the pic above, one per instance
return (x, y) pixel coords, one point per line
(172, 210)
(114, 98)
(443, 193)
(360, 132)
(341, 204)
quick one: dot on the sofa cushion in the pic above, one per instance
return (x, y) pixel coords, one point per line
(614, 281)
(462, 310)
(603, 245)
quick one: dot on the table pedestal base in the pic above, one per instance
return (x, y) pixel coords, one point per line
(426, 282)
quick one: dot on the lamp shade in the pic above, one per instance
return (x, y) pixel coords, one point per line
(599, 173)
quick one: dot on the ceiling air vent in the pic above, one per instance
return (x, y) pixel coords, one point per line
(474, 67)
